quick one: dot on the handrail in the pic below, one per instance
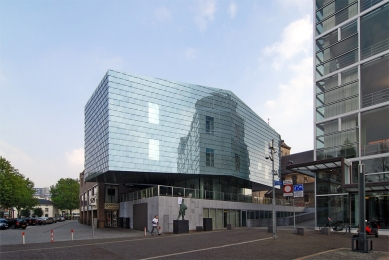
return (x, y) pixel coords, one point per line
(171, 191)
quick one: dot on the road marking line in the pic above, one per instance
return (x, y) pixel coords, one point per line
(204, 249)
(101, 243)
(324, 252)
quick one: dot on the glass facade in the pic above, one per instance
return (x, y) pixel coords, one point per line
(137, 124)
(352, 106)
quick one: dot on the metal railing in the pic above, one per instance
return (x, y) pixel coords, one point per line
(375, 98)
(374, 49)
(366, 4)
(382, 147)
(171, 191)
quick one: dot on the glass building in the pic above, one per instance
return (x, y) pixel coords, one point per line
(351, 49)
(141, 132)
(147, 125)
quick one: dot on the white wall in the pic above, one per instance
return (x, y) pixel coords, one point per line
(167, 209)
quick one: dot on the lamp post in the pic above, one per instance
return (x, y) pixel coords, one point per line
(271, 157)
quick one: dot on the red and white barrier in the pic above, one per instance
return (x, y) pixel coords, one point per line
(24, 241)
(72, 233)
(52, 235)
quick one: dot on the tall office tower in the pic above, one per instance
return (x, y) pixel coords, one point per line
(351, 44)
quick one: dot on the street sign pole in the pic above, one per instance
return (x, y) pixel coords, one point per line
(294, 219)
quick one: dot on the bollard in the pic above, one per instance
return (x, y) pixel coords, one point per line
(24, 241)
(52, 235)
(72, 233)
(145, 231)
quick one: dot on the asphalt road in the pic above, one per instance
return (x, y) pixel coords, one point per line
(240, 243)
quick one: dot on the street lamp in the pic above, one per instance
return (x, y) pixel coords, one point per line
(271, 157)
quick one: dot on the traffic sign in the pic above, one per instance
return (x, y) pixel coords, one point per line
(278, 183)
(298, 190)
(288, 182)
(298, 187)
(288, 188)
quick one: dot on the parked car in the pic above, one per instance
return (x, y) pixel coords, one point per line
(48, 220)
(3, 223)
(17, 223)
(41, 221)
(51, 220)
(31, 221)
(61, 218)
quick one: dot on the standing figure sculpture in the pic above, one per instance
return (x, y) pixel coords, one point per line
(182, 210)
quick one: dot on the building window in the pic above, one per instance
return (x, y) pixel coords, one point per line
(209, 125)
(210, 154)
(153, 113)
(111, 193)
(154, 149)
(237, 162)
(237, 132)
(46, 209)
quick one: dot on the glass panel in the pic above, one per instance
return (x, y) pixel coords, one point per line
(375, 32)
(327, 40)
(205, 213)
(377, 209)
(154, 149)
(153, 113)
(339, 62)
(377, 169)
(349, 29)
(335, 207)
(375, 82)
(333, 14)
(337, 50)
(366, 4)
(375, 131)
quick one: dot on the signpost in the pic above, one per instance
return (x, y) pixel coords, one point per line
(278, 183)
(288, 188)
(298, 191)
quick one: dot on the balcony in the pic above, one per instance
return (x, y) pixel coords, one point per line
(160, 190)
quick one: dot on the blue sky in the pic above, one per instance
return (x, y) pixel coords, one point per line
(53, 54)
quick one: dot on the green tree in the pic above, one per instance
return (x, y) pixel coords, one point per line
(38, 212)
(15, 190)
(65, 194)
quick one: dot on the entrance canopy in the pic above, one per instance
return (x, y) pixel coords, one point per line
(309, 168)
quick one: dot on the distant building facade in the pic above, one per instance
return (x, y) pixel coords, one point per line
(149, 141)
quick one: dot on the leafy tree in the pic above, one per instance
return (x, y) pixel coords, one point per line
(15, 190)
(38, 212)
(65, 194)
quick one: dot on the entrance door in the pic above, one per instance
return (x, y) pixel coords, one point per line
(244, 217)
(111, 218)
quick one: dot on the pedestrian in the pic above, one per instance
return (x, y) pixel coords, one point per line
(155, 225)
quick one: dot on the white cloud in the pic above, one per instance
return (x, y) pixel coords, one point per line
(163, 14)
(295, 40)
(43, 171)
(291, 109)
(75, 158)
(232, 10)
(191, 53)
(204, 13)
(290, 112)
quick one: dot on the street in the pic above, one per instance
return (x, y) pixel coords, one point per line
(240, 243)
